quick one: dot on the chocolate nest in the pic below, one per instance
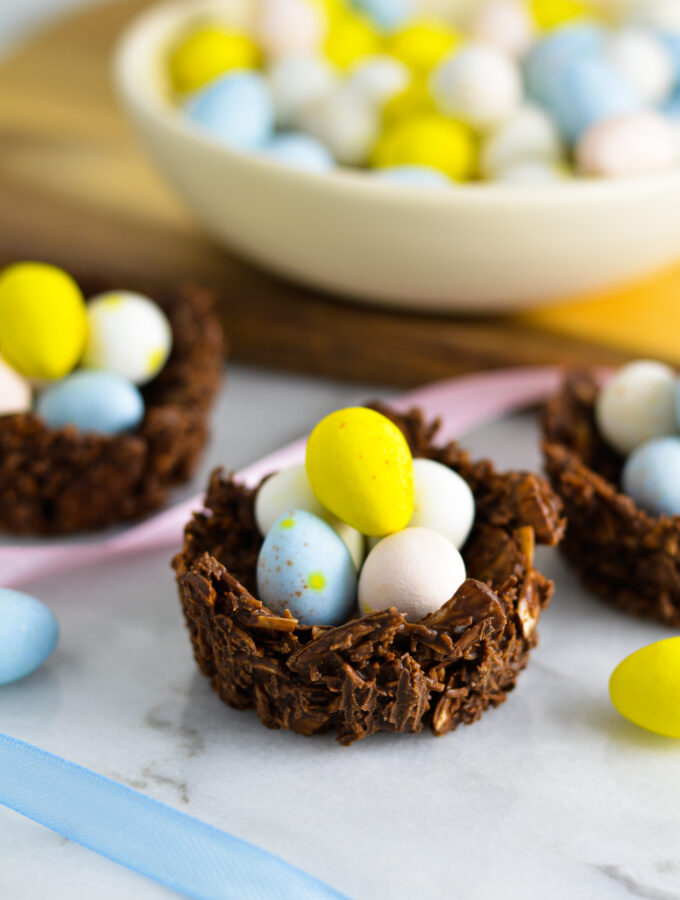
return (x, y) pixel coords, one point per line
(58, 481)
(622, 553)
(379, 672)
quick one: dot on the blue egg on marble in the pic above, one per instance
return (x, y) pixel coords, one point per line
(418, 176)
(92, 401)
(28, 635)
(236, 109)
(561, 47)
(651, 476)
(388, 15)
(306, 568)
(300, 151)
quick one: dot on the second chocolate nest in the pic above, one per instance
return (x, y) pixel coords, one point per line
(379, 672)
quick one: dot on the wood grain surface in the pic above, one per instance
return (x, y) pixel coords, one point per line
(75, 189)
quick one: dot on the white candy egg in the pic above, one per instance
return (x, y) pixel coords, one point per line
(529, 134)
(379, 78)
(636, 144)
(663, 14)
(15, 391)
(354, 541)
(480, 85)
(636, 405)
(504, 23)
(128, 335)
(415, 570)
(345, 122)
(284, 27)
(644, 61)
(296, 82)
(443, 501)
(537, 172)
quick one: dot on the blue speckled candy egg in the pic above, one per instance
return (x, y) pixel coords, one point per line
(561, 47)
(28, 635)
(300, 151)
(651, 476)
(92, 401)
(306, 568)
(236, 109)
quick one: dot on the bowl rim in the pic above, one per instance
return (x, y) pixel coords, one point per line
(148, 31)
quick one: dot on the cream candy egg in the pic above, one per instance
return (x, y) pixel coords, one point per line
(345, 122)
(644, 61)
(128, 334)
(504, 23)
(378, 79)
(537, 172)
(443, 501)
(479, 85)
(636, 144)
(415, 570)
(529, 134)
(15, 391)
(284, 27)
(636, 405)
(296, 82)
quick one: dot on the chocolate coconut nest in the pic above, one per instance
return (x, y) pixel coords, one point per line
(622, 553)
(379, 672)
(56, 481)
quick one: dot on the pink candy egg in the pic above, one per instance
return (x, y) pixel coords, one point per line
(504, 23)
(285, 27)
(635, 144)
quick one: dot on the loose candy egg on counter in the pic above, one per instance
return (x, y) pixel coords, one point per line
(15, 391)
(428, 140)
(379, 79)
(644, 61)
(345, 123)
(29, 634)
(443, 501)
(413, 176)
(300, 151)
(297, 81)
(506, 24)
(387, 15)
(423, 43)
(352, 37)
(529, 135)
(415, 570)
(128, 334)
(645, 687)
(480, 85)
(636, 405)
(306, 568)
(209, 51)
(285, 27)
(651, 476)
(42, 320)
(92, 401)
(235, 109)
(360, 468)
(637, 144)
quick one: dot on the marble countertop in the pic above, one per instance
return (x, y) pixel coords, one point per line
(551, 795)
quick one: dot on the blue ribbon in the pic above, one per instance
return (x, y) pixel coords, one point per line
(148, 837)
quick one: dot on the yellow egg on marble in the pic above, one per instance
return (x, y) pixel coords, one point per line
(428, 139)
(645, 687)
(43, 324)
(552, 13)
(207, 52)
(361, 469)
(423, 43)
(351, 37)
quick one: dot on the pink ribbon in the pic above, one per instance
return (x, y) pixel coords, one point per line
(461, 403)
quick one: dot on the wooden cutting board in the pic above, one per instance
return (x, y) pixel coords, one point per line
(75, 189)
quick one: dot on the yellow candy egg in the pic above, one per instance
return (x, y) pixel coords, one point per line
(416, 98)
(645, 687)
(423, 43)
(431, 140)
(207, 52)
(350, 37)
(551, 13)
(43, 325)
(360, 468)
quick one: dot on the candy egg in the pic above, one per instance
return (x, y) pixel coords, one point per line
(504, 23)
(651, 476)
(306, 568)
(443, 501)
(42, 320)
(28, 635)
(386, 14)
(415, 570)
(415, 99)
(558, 49)
(550, 13)
(644, 61)
(636, 144)
(415, 176)
(15, 391)
(360, 468)
(297, 81)
(480, 85)
(300, 151)
(529, 134)
(662, 14)
(345, 123)
(527, 172)
(636, 405)
(235, 109)
(428, 140)
(92, 401)
(284, 27)
(128, 334)
(645, 687)
(379, 79)
(423, 43)
(207, 52)
(351, 37)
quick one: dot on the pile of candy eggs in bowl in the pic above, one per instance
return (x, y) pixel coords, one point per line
(360, 490)
(74, 362)
(517, 91)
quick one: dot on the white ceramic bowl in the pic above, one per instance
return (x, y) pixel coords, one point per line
(473, 248)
